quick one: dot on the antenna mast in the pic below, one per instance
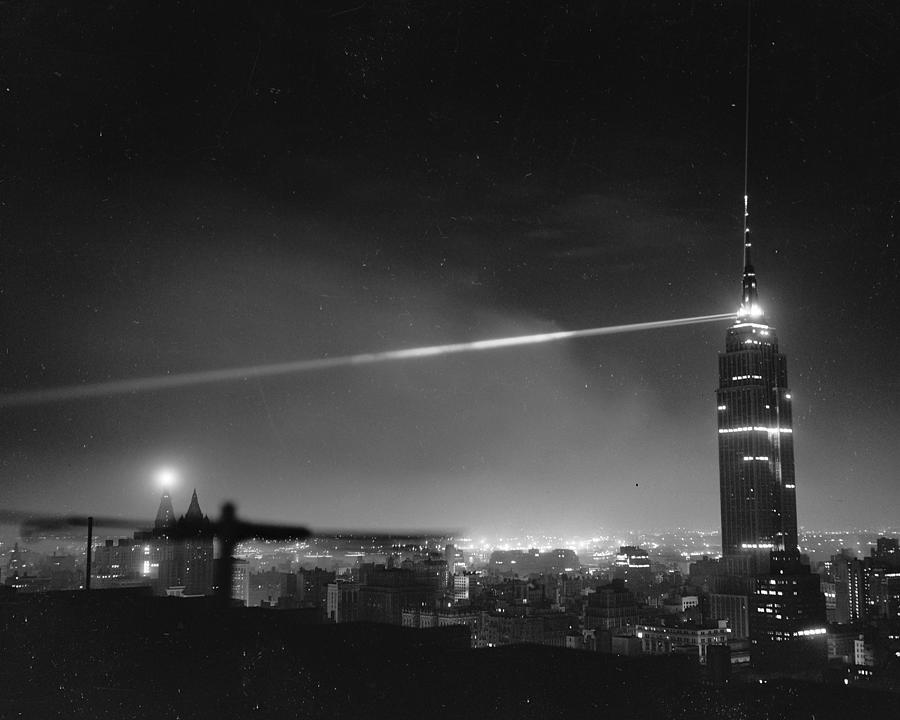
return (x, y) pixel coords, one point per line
(747, 144)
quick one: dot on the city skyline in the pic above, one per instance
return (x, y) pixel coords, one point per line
(448, 208)
(355, 352)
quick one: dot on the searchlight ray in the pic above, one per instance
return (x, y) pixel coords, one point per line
(167, 382)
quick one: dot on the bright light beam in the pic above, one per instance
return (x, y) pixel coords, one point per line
(167, 382)
(166, 478)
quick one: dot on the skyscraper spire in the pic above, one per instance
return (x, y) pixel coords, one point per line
(749, 300)
(757, 488)
(165, 516)
(194, 512)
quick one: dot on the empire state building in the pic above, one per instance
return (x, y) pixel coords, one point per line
(756, 447)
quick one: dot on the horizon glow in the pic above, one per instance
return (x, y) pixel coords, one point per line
(167, 382)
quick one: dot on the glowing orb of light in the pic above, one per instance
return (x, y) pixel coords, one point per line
(166, 478)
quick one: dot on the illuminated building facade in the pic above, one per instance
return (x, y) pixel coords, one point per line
(343, 602)
(633, 557)
(686, 638)
(633, 567)
(165, 515)
(117, 562)
(240, 581)
(788, 602)
(461, 587)
(849, 587)
(788, 624)
(756, 451)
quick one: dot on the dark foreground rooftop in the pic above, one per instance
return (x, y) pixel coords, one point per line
(117, 655)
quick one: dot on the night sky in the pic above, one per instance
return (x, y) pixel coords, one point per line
(227, 184)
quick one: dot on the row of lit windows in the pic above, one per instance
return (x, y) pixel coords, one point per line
(756, 428)
(811, 631)
(745, 365)
(750, 403)
(782, 635)
(763, 329)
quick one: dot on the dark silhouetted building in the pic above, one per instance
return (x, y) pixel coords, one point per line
(63, 572)
(735, 610)
(384, 593)
(343, 602)
(178, 553)
(165, 515)
(718, 662)
(633, 567)
(788, 623)
(271, 587)
(197, 550)
(611, 606)
(533, 561)
(312, 587)
(503, 627)
(117, 562)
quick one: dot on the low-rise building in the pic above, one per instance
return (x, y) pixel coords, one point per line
(384, 593)
(611, 606)
(735, 610)
(659, 639)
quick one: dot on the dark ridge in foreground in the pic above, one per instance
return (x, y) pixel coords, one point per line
(117, 654)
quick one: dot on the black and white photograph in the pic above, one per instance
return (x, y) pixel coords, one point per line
(449, 359)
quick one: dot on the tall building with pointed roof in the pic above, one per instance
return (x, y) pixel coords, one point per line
(165, 515)
(756, 444)
(757, 490)
(182, 549)
(193, 512)
(196, 552)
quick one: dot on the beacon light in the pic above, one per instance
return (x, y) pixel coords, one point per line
(166, 478)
